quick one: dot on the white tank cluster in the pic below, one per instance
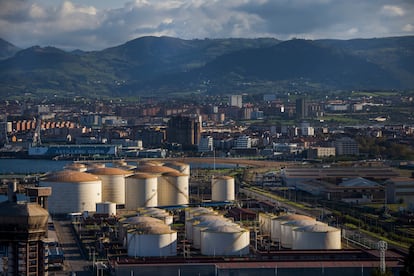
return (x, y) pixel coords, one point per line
(72, 191)
(286, 230)
(276, 231)
(222, 188)
(191, 216)
(113, 183)
(148, 237)
(299, 232)
(151, 184)
(216, 235)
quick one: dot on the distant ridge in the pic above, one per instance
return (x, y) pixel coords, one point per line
(162, 65)
(7, 49)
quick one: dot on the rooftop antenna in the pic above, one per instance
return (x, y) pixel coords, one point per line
(382, 247)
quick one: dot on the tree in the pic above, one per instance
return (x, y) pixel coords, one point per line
(409, 263)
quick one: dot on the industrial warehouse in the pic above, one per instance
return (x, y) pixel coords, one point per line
(146, 219)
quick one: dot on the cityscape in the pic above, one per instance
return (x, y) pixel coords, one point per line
(180, 152)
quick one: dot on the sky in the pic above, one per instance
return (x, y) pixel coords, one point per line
(99, 24)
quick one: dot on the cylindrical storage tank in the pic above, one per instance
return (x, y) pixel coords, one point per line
(198, 228)
(222, 188)
(275, 229)
(106, 208)
(72, 191)
(129, 223)
(149, 237)
(225, 241)
(76, 167)
(265, 221)
(152, 242)
(181, 167)
(173, 189)
(113, 184)
(287, 228)
(315, 237)
(141, 190)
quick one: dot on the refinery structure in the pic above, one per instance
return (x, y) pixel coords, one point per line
(144, 218)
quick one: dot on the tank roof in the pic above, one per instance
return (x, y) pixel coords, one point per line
(70, 176)
(317, 228)
(226, 229)
(143, 175)
(75, 166)
(109, 171)
(301, 222)
(154, 169)
(223, 177)
(176, 163)
(141, 220)
(150, 163)
(174, 174)
(152, 229)
(294, 217)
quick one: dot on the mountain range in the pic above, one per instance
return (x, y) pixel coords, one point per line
(165, 65)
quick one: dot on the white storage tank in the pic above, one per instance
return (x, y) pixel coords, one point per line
(147, 238)
(173, 189)
(265, 223)
(287, 228)
(316, 237)
(113, 184)
(207, 224)
(225, 240)
(275, 229)
(141, 190)
(181, 167)
(128, 223)
(222, 188)
(72, 191)
(79, 167)
(106, 208)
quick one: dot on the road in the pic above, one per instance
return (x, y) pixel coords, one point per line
(75, 263)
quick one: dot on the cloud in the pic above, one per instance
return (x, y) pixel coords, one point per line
(408, 28)
(86, 25)
(390, 10)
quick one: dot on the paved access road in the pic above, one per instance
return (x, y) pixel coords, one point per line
(75, 263)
